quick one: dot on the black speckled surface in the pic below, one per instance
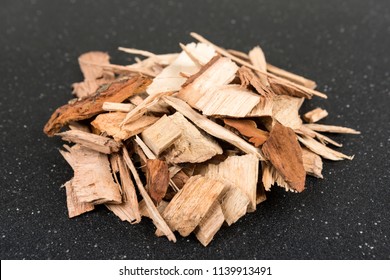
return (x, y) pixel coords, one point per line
(343, 45)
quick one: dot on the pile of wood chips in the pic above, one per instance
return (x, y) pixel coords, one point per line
(202, 134)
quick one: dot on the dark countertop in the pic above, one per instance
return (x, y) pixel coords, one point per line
(343, 45)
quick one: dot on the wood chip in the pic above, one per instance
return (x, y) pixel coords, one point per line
(331, 128)
(92, 105)
(128, 210)
(161, 135)
(217, 72)
(285, 154)
(315, 115)
(321, 149)
(191, 204)
(191, 146)
(92, 181)
(291, 76)
(94, 142)
(249, 129)
(152, 210)
(312, 163)
(75, 207)
(170, 79)
(110, 123)
(210, 224)
(257, 58)
(94, 74)
(240, 172)
(211, 127)
(157, 178)
(228, 100)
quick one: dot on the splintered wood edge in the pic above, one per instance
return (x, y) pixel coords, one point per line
(211, 127)
(247, 64)
(153, 212)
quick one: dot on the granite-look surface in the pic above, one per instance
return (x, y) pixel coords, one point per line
(343, 45)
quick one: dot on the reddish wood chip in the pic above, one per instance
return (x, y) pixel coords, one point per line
(284, 152)
(88, 107)
(157, 176)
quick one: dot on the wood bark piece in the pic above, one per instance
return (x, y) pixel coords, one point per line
(146, 152)
(92, 181)
(152, 210)
(157, 178)
(210, 224)
(285, 154)
(249, 129)
(257, 58)
(312, 163)
(191, 204)
(240, 172)
(94, 75)
(92, 105)
(161, 135)
(170, 79)
(211, 127)
(92, 141)
(315, 115)
(228, 100)
(192, 146)
(331, 128)
(128, 210)
(321, 149)
(110, 124)
(75, 207)
(217, 72)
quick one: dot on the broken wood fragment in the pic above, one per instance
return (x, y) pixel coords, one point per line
(117, 107)
(152, 210)
(157, 179)
(257, 58)
(92, 181)
(321, 149)
(110, 124)
(211, 127)
(210, 224)
(331, 128)
(249, 129)
(191, 145)
(191, 204)
(128, 210)
(285, 154)
(159, 136)
(75, 207)
(92, 141)
(228, 100)
(217, 72)
(315, 115)
(92, 105)
(94, 74)
(312, 163)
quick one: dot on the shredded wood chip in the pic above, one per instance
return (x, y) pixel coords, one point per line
(208, 131)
